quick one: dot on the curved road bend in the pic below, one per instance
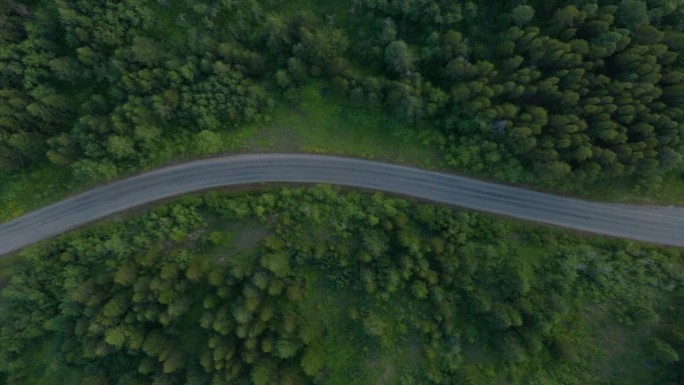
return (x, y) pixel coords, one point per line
(657, 225)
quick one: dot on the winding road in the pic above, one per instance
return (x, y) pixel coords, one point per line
(659, 225)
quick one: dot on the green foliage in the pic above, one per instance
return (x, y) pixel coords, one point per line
(329, 288)
(344, 288)
(632, 13)
(561, 95)
(207, 142)
(522, 14)
(399, 57)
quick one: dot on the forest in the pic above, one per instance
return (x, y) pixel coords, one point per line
(324, 286)
(555, 93)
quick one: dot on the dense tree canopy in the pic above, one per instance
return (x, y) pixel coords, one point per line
(315, 286)
(302, 286)
(553, 91)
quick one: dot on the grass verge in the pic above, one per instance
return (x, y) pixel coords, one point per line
(321, 124)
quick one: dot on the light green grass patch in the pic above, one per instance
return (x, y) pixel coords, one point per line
(27, 189)
(328, 124)
(319, 124)
(236, 243)
(669, 191)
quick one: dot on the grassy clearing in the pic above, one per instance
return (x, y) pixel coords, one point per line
(669, 192)
(620, 348)
(328, 124)
(31, 188)
(320, 124)
(235, 243)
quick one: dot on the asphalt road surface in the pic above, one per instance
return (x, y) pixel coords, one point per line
(662, 225)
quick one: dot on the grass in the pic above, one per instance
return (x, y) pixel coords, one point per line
(327, 124)
(32, 188)
(669, 192)
(321, 123)
(330, 125)
(620, 348)
(237, 242)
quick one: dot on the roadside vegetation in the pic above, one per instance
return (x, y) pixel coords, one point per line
(320, 285)
(559, 95)
(320, 122)
(323, 286)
